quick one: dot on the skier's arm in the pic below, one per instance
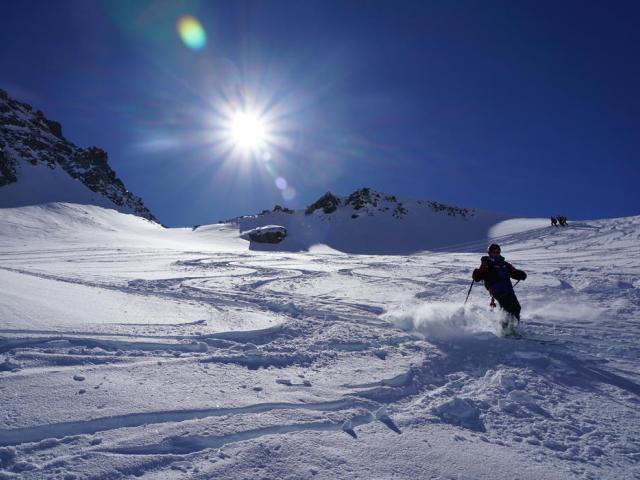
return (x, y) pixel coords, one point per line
(479, 273)
(515, 273)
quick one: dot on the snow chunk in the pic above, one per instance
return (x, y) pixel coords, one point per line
(522, 398)
(501, 379)
(7, 455)
(555, 445)
(181, 466)
(460, 411)
(9, 366)
(381, 413)
(347, 425)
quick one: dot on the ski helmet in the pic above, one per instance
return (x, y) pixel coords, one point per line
(493, 246)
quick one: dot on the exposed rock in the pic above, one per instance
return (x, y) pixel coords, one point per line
(7, 169)
(362, 198)
(267, 234)
(279, 208)
(328, 203)
(400, 211)
(53, 126)
(450, 210)
(276, 209)
(29, 136)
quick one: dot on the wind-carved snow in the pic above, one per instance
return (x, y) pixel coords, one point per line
(128, 350)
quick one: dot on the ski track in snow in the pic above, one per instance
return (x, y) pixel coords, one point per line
(242, 364)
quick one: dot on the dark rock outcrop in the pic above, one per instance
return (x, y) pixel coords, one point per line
(328, 203)
(280, 208)
(448, 209)
(29, 136)
(362, 198)
(7, 169)
(267, 234)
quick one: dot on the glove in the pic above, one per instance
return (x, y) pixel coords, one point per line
(476, 275)
(523, 276)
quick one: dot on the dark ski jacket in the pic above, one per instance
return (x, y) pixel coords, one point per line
(497, 274)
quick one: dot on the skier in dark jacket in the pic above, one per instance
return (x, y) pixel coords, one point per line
(497, 274)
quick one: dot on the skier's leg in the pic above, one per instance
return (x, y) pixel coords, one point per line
(509, 302)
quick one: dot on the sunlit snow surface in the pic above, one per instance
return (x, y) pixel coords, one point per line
(132, 351)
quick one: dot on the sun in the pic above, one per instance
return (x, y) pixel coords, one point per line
(247, 131)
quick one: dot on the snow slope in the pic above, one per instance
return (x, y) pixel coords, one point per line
(369, 222)
(132, 351)
(40, 184)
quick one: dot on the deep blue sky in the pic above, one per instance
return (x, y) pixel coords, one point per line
(527, 107)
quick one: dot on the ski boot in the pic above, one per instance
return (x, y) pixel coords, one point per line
(509, 327)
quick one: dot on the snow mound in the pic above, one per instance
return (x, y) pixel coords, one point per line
(41, 184)
(89, 225)
(501, 379)
(517, 225)
(460, 411)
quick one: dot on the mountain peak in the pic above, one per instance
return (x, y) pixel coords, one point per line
(39, 165)
(368, 201)
(373, 223)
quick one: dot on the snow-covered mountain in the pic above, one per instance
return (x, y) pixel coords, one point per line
(39, 165)
(128, 350)
(370, 222)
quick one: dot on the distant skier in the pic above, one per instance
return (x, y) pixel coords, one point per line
(497, 274)
(554, 221)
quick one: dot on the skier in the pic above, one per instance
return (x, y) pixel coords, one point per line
(554, 221)
(497, 274)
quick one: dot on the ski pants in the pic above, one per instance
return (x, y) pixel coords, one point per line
(509, 302)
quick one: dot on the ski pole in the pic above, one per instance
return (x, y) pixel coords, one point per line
(514, 286)
(469, 292)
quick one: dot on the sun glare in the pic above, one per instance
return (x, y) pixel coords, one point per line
(247, 130)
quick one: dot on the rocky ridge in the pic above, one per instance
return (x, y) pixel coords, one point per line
(28, 136)
(368, 201)
(365, 201)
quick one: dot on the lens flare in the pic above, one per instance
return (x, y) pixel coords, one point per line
(281, 183)
(289, 193)
(191, 32)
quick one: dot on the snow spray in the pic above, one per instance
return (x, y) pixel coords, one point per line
(442, 320)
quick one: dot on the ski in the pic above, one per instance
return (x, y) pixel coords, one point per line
(543, 341)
